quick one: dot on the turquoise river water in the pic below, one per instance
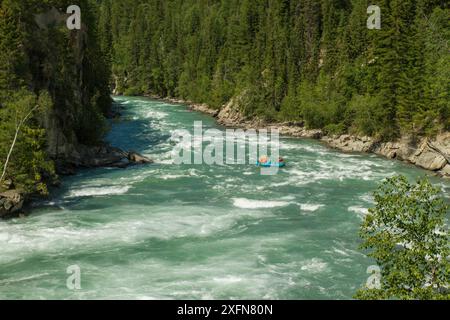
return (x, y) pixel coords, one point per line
(166, 231)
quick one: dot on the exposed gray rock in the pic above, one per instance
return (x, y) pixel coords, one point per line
(11, 203)
(98, 156)
(299, 132)
(135, 157)
(390, 150)
(350, 143)
(230, 115)
(429, 155)
(204, 109)
(91, 157)
(431, 161)
(445, 172)
(441, 145)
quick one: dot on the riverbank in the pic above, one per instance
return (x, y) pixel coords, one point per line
(429, 154)
(68, 158)
(199, 231)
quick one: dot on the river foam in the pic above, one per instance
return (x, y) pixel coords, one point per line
(244, 203)
(170, 231)
(99, 191)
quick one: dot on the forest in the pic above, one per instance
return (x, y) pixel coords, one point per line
(54, 89)
(304, 61)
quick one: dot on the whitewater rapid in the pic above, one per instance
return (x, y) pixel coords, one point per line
(166, 231)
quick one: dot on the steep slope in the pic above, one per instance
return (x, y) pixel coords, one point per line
(60, 79)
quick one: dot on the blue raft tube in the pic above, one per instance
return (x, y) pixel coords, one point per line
(271, 164)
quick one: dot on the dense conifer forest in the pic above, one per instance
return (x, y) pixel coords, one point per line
(169, 231)
(304, 61)
(56, 77)
(299, 60)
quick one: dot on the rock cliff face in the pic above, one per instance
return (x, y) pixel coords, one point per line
(81, 156)
(429, 154)
(77, 117)
(11, 203)
(67, 69)
(230, 116)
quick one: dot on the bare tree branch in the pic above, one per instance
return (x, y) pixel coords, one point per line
(18, 127)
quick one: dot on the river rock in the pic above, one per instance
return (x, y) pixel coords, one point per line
(441, 145)
(445, 172)
(350, 143)
(83, 156)
(204, 109)
(429, 156)
(104, 156)
(431, 161)
(135, 157)
(230, 114)
(11, 203)
(390, 150)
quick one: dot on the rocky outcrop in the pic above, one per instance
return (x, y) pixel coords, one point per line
(429, 154)
(428, 158)
(445, 172)
(298, 131)
(350, 143)
(80, 156)
(203, 108)
(135, 157)
(11, 203)
(230, 116)
(200, 107)
(98, 156)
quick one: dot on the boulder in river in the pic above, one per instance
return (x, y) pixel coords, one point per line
(445, 172)
(135, 157)
(11, 203)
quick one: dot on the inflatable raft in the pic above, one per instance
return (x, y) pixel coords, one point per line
(271, 164)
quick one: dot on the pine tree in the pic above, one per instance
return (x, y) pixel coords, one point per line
(386, 83)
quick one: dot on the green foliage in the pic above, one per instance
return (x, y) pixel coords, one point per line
(307, 61)
(65, 73)
(312, 62)
(362, 109)
(407, 235)
(29, 167)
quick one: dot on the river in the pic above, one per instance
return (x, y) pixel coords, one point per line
(166, 231)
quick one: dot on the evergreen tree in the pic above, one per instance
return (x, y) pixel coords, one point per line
(52, 81)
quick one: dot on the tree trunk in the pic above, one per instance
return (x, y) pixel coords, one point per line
(18, 127)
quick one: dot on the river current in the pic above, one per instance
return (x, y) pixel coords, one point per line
(166, 231)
